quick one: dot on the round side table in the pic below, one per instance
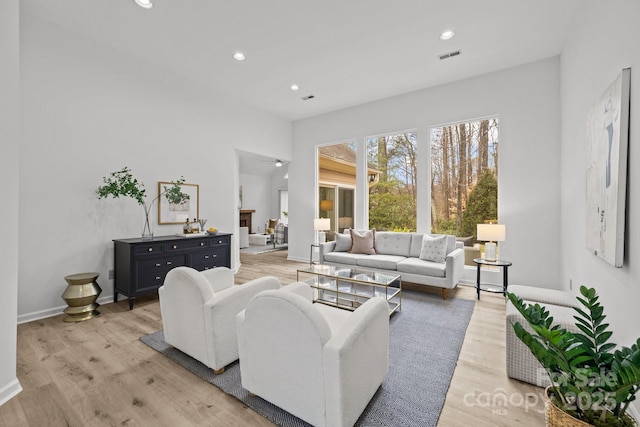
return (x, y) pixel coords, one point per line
(81, 295)
(505, 276)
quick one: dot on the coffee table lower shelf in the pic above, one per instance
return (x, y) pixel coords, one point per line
(347, 295)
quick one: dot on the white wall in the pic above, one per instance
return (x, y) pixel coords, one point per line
(527, 100)
(9, 141)
(88, 110)
(604, 39)
(256, 195)
(278, 182)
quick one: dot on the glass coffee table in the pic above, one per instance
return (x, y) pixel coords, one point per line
(349, 288)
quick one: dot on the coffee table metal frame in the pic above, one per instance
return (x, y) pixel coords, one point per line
(350, 287)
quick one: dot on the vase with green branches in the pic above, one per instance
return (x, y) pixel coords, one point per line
(122, 183)
(592, 379)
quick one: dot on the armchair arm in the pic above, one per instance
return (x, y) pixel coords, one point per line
(325, 248)
(220, 317)
(454, 269)
(356, 362)
(220, 278)
(300, 288)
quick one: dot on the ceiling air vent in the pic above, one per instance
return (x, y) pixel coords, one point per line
(308, 97)
(449, 55)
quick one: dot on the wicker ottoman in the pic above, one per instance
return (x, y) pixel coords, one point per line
(521, 364)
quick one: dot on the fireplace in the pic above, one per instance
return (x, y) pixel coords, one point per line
(245, 219)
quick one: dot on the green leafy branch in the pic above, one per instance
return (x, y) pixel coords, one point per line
(122, 183)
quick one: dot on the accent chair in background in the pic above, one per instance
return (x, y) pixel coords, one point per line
(199, 311)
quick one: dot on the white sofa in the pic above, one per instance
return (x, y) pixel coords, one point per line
(319, 363)
(199, 312)
(400, 253)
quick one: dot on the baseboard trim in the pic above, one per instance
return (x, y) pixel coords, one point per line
(293, 258)
(50, 312)
(9, 391)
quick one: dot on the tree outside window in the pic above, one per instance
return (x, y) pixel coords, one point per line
(392, 181)
(464, 171)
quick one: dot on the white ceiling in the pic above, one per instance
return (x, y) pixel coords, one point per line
(255, 164)
(344, 52)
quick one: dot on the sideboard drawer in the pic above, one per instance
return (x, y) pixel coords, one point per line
(214, 257)
(189, 243)
(219, 241)
(160, 264)
(148, 249)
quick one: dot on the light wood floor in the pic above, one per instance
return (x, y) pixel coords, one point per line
(98, 373)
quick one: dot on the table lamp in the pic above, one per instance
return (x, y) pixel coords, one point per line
(320, 225)
(491, 233)
(326, 205)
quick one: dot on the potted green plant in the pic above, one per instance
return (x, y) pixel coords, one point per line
(591, 380)
(123, 183)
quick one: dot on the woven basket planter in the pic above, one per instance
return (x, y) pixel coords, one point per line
(556, 417)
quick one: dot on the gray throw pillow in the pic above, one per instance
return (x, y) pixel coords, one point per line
(363, 242)
(343, 242)
(434, 248)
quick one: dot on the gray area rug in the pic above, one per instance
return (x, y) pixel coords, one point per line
(256, 249)
(425, 341)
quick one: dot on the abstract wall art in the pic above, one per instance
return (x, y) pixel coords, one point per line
(607, 146)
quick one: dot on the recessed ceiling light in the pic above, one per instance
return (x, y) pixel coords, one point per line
(144, 3)
(239, 56)
(294, 87)
(278, 163)
(447, 35)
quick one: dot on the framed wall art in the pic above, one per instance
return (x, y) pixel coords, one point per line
(607, 146)
(169, 213)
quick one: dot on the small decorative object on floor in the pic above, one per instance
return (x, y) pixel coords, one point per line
(81, 295)
(122, 183)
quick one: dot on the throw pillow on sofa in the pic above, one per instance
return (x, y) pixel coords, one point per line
(273, 223)
(363, 242)
(343, 242)
(434, 248)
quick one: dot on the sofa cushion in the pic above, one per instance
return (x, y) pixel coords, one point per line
(433, 248)
(343, 257)
(386, 262)
(363, 242)
(391, 243)
(422, 267)
(343, 242)
(416, 243)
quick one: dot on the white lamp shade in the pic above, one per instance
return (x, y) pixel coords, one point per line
(492, 232)
(321, 224)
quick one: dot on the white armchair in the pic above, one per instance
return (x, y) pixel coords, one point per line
(319, 363)
(199, 312)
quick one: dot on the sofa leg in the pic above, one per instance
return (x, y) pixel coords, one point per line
(218, 371)
(444, 293)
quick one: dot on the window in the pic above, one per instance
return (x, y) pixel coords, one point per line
(392, 181)
(464, 176)
(337, 185)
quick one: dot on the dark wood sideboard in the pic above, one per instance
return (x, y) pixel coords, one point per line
(141, 265)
